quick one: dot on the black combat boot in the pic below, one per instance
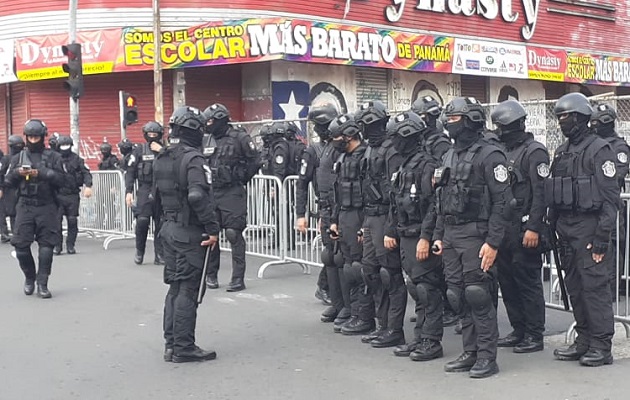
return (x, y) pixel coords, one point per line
(42, 291)
(529, 345)
(571, 353)
(428, 349)
(168, 354)
(483, 368)
(197, 354)
(29, 286)
(342, 318)
(158, 260)
(511, 339)
(463, 363)
(329, 314)
(70, 249)
(596, 358)
(391, 338)
(358, 327)
(376, 332)
(57, 250)
(212, 282)
(323, 296)
(236, 285)
(406, 349)
(139, 257)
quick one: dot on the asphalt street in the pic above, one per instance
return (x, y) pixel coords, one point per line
(100, 337)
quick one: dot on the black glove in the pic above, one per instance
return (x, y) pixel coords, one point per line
(600, 247)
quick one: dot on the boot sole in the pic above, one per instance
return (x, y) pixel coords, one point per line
(42, 296)
(355, 333)
(567, 358)
(386, 345)
(439, 354)
(493, 371)
(327, 319)
(178, 359)
(523, 351)
(607, 361)
(460, 369)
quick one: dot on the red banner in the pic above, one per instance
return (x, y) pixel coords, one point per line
(546, 64)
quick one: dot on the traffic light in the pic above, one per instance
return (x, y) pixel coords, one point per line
(74, 68)
(129, 109)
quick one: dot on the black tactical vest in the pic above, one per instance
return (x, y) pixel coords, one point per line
(519, 174)
(411, 203)
(465, 196)
(326, 176)
(430, 144)
(348, 188)
(375, 178)
(572, 185)
(36, 190)
(296, 148)
(144, 165)
(172, 184)
(74, 174)
(225, 158)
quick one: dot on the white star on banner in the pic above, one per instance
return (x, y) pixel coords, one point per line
(291, 108)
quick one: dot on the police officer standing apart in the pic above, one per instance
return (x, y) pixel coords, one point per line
(472, 194)
(140, 168)
(109, 161)
(77, 176)
(412, 223)
(347, 220)
(519, 260)
(234, 161)
(9, 194)
(583, 197)
(183, 187)
(316, 166)
(37, 173)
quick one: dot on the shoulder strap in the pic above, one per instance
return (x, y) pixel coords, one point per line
(470, 154)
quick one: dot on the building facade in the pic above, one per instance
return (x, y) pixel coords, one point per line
(271, 59)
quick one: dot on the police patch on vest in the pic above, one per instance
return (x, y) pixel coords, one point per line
(208, 172)
(279, 159)
(148, 157)
(208, 150)
(543, 170)
(303, 167)
(500, 173)
(622, 157)
(609, 169)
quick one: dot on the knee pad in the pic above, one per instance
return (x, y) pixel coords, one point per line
(454, 297)
(411, 288)
(478, 296)
(423, 290)
(386, 278)
(232, 234)
(327, 257)
(353, 273)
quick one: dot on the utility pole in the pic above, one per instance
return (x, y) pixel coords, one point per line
(157, 63)
(74, 102)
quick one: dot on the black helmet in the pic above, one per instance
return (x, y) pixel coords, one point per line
(35, 127)
(106, 148)
(53, 142)
(406, 124)
(426, 105)
(371, 112)
(65, 141)
(216, 111)
(188, 117)
(152, 126)
(508, 112)
(344, 125)
(278, 129)
(573, 103)
(604, 114)
(265, 133)
(16, 144)
(292, 129)
(322, 114)
(125, 146)
(468, 107)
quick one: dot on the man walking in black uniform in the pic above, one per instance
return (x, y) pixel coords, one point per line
(519, 260)
(233, 160)
(8, 194)
(77, 175)
(316, 166)
(472, 194)
(145, 208)
(412, 223)
(583, 197)
(37, 173)
(182, 184)
(347, 219)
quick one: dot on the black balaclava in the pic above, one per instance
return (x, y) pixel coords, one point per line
(35, 147)
(376, 133)
(188, 137)
(322, 131)
(603, 130)
(218, 128)
(464, 132)
(341, 145)
(574, 127)
(512, 135)
(406, 145)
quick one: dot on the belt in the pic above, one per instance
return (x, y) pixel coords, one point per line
(376, 210)
(173, 216)
(408, 232)
(455, 220)
(27, 201)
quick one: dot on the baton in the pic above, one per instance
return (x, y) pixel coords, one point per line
(202, 284)
(556, 258)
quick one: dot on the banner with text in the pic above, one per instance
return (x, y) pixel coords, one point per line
(6, 61)
(546, 64)
(474, 57)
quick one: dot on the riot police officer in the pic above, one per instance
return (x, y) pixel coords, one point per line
(472, 193)
(411, 226)
(603, 125)
(519, 260)
(109, 161)
(140, 169)
(53, 142)
(316, 166)
(583, 197)
(37, 173)
(9, 194)
(380, 265)
(5, 160)
(125, 147)
(283, 153)
(183, 187)
(77, 176)
(347, 220)
(234, 161)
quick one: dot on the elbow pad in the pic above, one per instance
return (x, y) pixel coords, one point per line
(196, 197)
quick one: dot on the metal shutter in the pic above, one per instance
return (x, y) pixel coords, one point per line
(217, 84)
(475, 86)
(372, 84)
